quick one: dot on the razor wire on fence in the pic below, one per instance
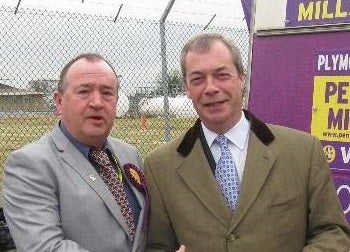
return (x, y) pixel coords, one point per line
(36, 44)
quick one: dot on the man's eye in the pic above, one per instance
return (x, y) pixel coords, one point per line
(196, 80)
(108, 93)
(83, 91)
(223, 76)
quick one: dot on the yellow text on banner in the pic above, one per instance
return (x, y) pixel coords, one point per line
(331, 108)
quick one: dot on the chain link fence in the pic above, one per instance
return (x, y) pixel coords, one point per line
(36, 44)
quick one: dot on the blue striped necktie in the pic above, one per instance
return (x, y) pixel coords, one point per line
(226, 173)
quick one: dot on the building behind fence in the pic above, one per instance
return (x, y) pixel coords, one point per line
(36, 44)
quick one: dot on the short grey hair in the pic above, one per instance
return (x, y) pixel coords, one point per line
(202, 43)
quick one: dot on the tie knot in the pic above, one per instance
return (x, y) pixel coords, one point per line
(222, 141)
(100, 157)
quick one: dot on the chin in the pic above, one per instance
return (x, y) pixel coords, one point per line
(95, 133)
(217, 117)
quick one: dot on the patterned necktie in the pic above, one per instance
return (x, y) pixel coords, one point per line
(226, 173)
(110, 177)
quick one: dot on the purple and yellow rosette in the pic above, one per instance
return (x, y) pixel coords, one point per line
(137, 178)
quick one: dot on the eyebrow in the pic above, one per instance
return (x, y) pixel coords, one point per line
(89, 84)
(223, 68)
(195, 72)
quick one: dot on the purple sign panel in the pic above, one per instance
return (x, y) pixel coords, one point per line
(342, 182)
(308, 76)
(308, 13)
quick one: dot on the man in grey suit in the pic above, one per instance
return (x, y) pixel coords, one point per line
(286, 198)
(55, 197)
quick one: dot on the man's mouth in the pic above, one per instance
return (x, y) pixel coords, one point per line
(214, 104)
(96, 118)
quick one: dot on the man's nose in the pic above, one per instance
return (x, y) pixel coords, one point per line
(210, 85)
(96, 99)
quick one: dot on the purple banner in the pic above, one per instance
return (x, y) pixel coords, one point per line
(342, 183)
(308, 13)
(308, 77)
(247, 8)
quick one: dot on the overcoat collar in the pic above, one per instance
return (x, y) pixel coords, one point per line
(259, 128)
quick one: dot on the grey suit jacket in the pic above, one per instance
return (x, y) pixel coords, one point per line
(287, 201)
(54, 200)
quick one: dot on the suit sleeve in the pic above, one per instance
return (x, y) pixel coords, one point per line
(161, 236)
(327, 228)
(31, 206)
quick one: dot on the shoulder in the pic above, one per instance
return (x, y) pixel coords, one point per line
(36, 160)
(36, 148)
(286, 133)
(124, 151)
(296, 141)
(118, 143)
(172, 145)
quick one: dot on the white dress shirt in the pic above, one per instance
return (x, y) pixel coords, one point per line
(238, 143)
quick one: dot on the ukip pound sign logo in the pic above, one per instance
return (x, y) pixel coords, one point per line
(329, 151)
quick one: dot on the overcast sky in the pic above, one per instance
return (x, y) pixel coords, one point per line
(35, 45)
(228, 13)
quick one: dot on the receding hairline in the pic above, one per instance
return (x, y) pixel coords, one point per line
(203, 43)
(90, 57)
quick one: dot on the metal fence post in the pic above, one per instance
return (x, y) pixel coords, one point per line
(165, 78)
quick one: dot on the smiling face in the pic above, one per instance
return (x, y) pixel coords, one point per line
(87, 102)
(214, 86)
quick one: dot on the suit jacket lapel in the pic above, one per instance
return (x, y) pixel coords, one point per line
(76, 160)
(197, 175)
(122, 161)
(259, 162)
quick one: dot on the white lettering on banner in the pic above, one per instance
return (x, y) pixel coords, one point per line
(322, 61)
(334, 62)
(347, 188)
(345, 154)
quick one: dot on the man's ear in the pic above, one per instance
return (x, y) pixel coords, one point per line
(241, 82)
(188, 94)
(57, 96)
